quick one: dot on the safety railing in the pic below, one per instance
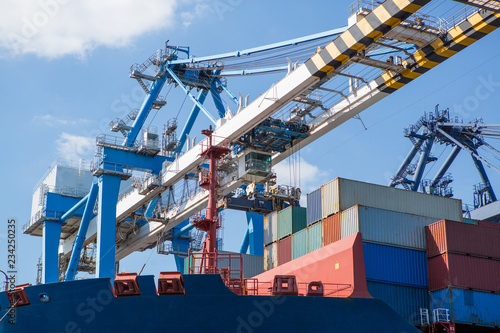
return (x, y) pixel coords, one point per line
(42, 215)
(441, 315)
(128, 190)
(460, 16)
(110, 140)
(214, 140)
(98, 168)
(257, 288)
(427, 23)
(363, 4)
(74, 164)
(66, 190)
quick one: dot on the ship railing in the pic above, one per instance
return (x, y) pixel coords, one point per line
(330, 289)
(257, 288)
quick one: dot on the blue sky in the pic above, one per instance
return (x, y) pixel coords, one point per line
(65, 67)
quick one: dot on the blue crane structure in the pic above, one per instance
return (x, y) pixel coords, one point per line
(329, 78)
(439, 127)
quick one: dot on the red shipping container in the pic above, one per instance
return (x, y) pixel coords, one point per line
(285, 250)
(457, 270)
(456, 237)
(488, 224)
(331, 229)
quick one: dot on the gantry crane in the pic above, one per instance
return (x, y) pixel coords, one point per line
(439, 127)
(385, 46)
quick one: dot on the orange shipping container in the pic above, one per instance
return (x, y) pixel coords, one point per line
(331, 229)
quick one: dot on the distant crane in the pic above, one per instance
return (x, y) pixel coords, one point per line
(439, 127)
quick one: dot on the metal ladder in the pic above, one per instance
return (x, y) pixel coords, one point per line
(424, 317)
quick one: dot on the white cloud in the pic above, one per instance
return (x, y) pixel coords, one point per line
(310, 176)
(200, 9)
(50, 120)
(55, 28)
(74, 147)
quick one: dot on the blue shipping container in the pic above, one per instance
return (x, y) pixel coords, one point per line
(395, 265)
(407, 301)
(314, 206)
(468, 306)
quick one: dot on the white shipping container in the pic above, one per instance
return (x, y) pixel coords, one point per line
(385, 227)
(341, 194)
(270, 228)
(270, 256)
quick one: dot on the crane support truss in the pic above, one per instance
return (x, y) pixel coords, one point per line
(327, 63)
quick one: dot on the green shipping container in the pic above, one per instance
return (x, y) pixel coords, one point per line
(299, 244)
(186, 266)
(315, 236)
(470, 221)
(291, 220)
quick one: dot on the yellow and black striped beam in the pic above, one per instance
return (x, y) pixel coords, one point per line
(378, 22)
(458, 38)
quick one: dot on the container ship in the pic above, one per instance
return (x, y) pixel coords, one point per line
(359, 257)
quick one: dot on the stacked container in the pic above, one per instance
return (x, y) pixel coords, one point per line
(284, 250)
(270, 256)
(392, 223)
(270, 240)
(291, 220)
(314, 236)
(407, 301)
(299, 244)
(331, 229)
(464, 270)
(314, 212)
(463, 255)
(385, 227)
(341, 194)
(271, 228)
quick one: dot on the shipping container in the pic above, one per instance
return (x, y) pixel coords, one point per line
(186, 266)
(395, 265)
(385, 227)
(270, 228)
(470, 221)
(251, 265)
(315, 236)
(331, 229)
(407, 301)
(456, 237)
(270, 256)
(299, 244)
(341, 194)
(291, 220)
(487, 224)
(285, 250)
(314, 212)
(468, 306)
(457, 270)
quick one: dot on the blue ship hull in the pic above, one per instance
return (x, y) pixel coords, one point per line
(207, 306)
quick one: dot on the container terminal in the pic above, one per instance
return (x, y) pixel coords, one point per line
(351, 256)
